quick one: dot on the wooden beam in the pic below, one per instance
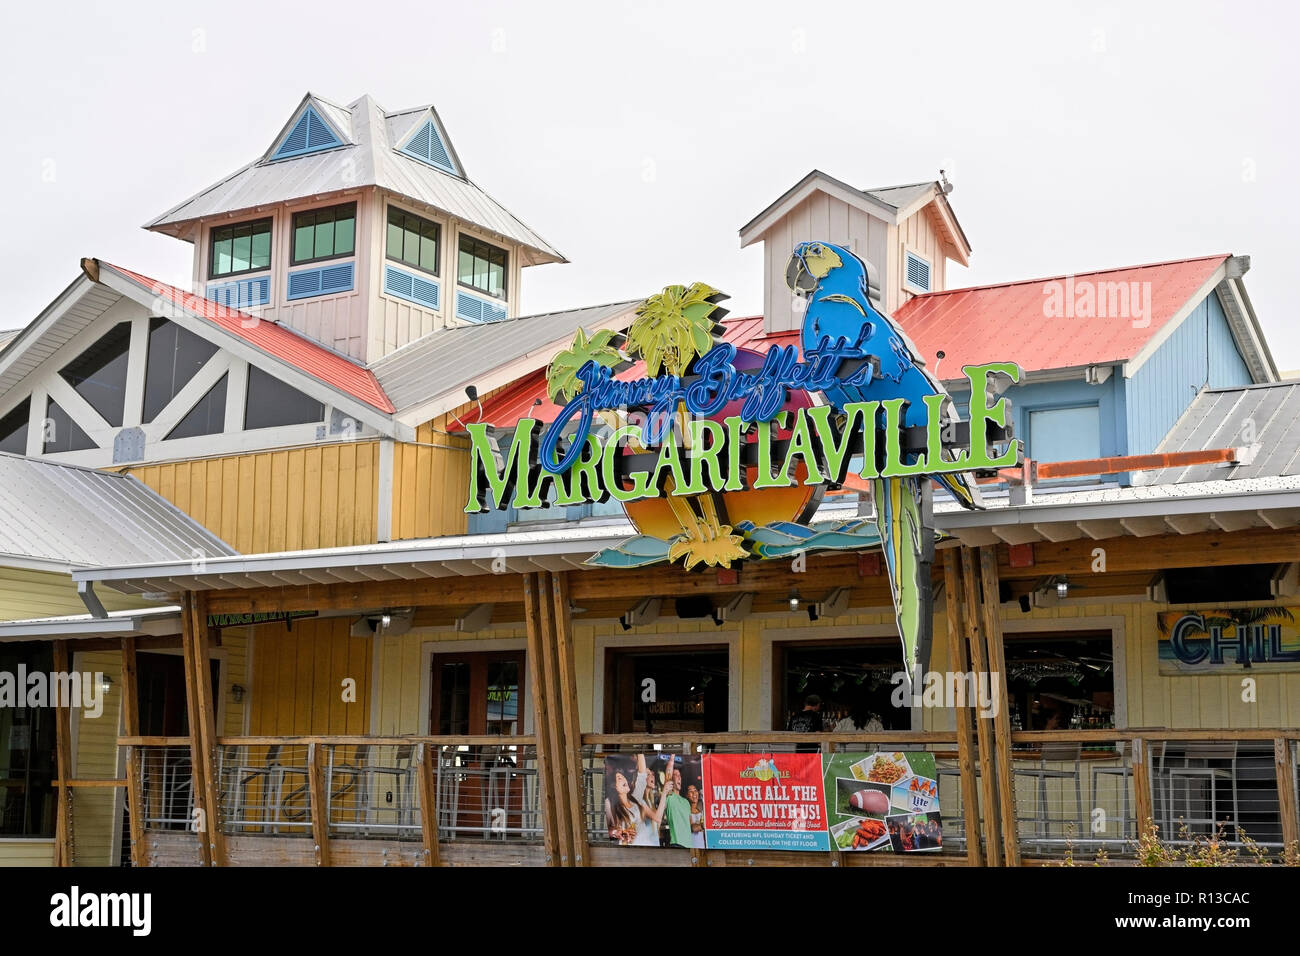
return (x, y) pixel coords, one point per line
(1001, 707)
(541, 724)
(63, 846)
(570, 719)
(554, 731)
(320, 814)
(426, 783)
(962, 715)
(983, 730)
(1126, 554)
(1140, 762)
(368, 595)
(131, 728)
(198, 763)
(1284, 764)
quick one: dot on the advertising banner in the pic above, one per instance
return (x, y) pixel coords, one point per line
(1238, 640)
(654, 799)
(764, 802)
(883, 801)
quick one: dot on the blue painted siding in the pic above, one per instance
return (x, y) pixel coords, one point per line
(1199, 354)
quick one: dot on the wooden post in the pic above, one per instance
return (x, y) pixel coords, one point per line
(557, 757)
(983, 732)
(63, 848)
(131, 727)
(962, 715)
(997, 661)
(541, 723)
(425, 780)
(570, 719)
(198, 757)
(1284, 763)
(1142, 804)
(320, 811)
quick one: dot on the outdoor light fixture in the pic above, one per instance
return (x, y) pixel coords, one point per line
(106, 683)
(237, 692)
(1062, 589)
(385, 620)
(794, 599)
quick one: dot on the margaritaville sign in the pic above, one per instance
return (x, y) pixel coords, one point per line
(721, 454)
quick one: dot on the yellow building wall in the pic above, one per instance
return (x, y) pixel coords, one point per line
(26, 853)
(297, 679)
(320, 496)
(429, 483)
(30, 594)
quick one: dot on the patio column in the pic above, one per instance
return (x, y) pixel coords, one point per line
(196, 641)
(958, 662)
(983, 728)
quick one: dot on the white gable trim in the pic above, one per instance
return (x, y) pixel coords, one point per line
(816, 181)
(1132, 366)
(1244, 325)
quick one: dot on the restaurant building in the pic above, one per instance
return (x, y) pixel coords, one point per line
(346, 667)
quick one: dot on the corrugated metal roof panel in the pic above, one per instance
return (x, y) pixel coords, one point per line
(444, 361)
(372, 161)
(78, 516)
(330, 367)
(1012, 322)
(1267, 415)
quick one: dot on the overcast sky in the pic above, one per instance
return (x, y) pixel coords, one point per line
(638, 138)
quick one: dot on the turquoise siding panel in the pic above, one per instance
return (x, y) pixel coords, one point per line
(1199, 354)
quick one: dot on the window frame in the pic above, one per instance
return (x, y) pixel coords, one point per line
(293, 234)
(212, 247)
(388, 257)
(505, 267)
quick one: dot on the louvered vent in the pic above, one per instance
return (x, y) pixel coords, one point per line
(309, 134)
(427, 146)
(423, 292)
(918, 273)
(473, 309)
(325, 280)
(244, 294)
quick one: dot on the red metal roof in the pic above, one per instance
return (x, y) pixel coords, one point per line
(516, 401)
(1012, 322)
(335, 370)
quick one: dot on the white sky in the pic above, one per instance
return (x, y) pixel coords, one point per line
(637, 139)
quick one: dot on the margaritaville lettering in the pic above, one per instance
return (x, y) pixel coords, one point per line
(716, 454)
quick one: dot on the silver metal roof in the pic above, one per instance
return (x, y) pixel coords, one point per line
(1096, 513)
(900, 196)
(446, 361)
(369, 159)
(1264, 415)
(55, 516)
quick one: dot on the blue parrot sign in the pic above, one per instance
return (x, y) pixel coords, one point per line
(711, 432)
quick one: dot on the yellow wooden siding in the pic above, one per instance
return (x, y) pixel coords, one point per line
(320, 496)
(298, 679)
(26, 852)
(1152, 700)
(429, 484)
(94, 810)
(27, 594)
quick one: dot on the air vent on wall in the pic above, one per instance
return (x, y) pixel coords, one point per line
(309, 135)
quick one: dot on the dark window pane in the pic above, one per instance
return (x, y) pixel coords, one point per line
(271, 402)
(429, 255)
(412, 240)
(27, 796)
(324, 238)
(221, 256)
(13, 428)
(482, 266)
(324, 233)
(465, 269)
(262, 249)
(99, 373)
(175, 356)
(207, 417)
(303, 239)
(242, 251)
(411, 247)
(61, 432)
(242, 247)
(394, 237)
(344, 235)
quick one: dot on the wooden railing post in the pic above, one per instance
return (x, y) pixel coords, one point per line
(1142, 803)
(1284, 764)
(556, 757)
(1001, 717)
(63, 847)
(962, 715)
(983, 732)
(425, 755)
(198, 700)
(541, 723)
(320, 811)
(131, 728)
(570, 729)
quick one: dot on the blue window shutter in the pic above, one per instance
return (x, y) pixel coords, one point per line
(243, 294)
(423, 292)
(473, 309)
(324, 280)
(918, 272)
(427, 146)
(309, 135)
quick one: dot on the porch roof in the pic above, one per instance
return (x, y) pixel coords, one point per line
(1094, 513)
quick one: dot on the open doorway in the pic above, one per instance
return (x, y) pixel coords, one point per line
(851, 676)
(668, 690)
